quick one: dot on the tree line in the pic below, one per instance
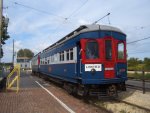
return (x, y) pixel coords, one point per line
(135, 64)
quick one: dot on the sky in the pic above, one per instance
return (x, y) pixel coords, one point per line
(43, 22)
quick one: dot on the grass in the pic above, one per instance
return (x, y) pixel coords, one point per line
(139, 76)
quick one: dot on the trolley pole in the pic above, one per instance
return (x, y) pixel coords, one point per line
(1, 12)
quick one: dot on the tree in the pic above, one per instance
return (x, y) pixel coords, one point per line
(135, 64)
(147, 64)
(5, 35)
(25, 53)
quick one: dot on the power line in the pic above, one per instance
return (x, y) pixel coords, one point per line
(38, 10)
(77, 9)
(138, 40)
(72, 14)
(139, 52)
(48, 13)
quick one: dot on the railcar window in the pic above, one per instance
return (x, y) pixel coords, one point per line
(62, 56)
(67, 52)
(52, 58)
(92, 51)
(71, 54)
(45, 60)
(108, 49)
(55, 57)
(121, 51)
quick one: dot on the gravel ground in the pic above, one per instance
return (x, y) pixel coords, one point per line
(130, 96)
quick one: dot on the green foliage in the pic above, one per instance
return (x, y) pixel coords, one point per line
(20, 53)
(147, 64)
(5, 35)
(135, 64)
(132, 62)
(120, 55)
(25, 53)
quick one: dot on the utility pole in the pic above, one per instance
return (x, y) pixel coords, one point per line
(1, 17)
(13, 53)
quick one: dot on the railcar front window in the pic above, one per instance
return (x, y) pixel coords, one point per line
(121, 51)
(92, 51)
(108, 49)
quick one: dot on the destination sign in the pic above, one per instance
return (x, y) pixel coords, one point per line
(97, 67)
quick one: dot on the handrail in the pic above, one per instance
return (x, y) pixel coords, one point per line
(11, 80)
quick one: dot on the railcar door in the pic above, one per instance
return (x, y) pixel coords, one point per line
(109, 58)
(38, 68)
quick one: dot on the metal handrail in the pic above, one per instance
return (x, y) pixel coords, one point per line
(16, 79)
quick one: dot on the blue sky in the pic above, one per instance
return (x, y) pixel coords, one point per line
(36, 31)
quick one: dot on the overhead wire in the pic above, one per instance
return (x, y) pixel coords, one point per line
(77, 9)
(66, 18)
(48, 13)
(139, 52)
(138, 40)
(38, 10)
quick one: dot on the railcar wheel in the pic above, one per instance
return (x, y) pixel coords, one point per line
(123, 86)
(82, 91)
(112, 91)
(69, 88)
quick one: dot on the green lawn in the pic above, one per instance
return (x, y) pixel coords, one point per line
(138, 76)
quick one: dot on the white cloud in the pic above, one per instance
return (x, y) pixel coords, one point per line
(36, 31)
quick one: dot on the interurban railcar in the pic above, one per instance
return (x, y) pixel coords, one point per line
(91, 60)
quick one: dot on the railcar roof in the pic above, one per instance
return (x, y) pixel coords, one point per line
(85, 28)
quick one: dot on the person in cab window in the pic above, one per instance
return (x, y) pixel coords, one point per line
(92, 50)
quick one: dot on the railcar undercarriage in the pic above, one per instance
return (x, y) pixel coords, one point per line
(106, 90)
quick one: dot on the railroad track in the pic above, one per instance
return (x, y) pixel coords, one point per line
(136, 87)
(131, 104)
(93, 101)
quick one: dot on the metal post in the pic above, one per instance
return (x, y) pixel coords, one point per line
(143, 72)
(13, 53)
(1, 10)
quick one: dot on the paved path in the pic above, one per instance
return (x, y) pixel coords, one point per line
(38, 96)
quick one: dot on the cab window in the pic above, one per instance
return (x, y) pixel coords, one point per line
(92, 51)
(121, 50)
(108, 49)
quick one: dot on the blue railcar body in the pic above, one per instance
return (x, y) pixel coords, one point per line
(73, 71)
